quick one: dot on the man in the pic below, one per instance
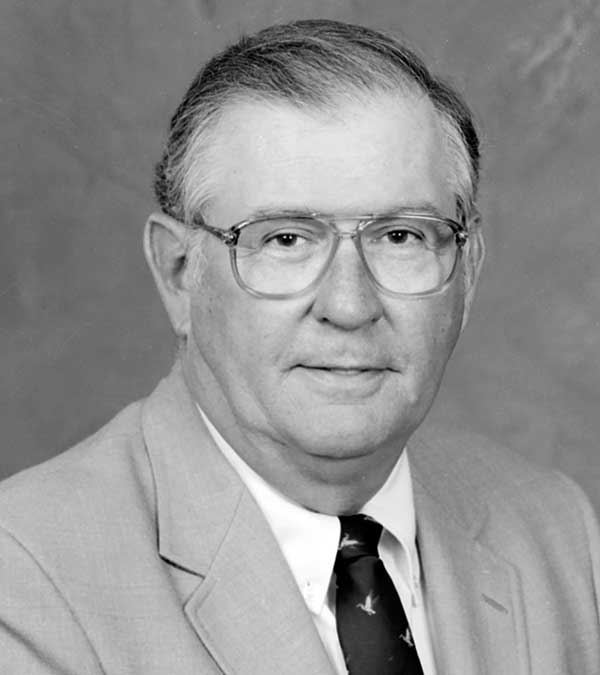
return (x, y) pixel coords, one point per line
(268, 509)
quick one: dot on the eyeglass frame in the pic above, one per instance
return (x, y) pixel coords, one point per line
(230, 237)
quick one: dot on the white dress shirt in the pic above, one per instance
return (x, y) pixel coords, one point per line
(309, 543)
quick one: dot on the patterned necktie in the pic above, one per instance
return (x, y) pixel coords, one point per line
(371, 623)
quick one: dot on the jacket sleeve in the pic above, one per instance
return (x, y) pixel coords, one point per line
(589, 519)
(39, 633)
(593, 531)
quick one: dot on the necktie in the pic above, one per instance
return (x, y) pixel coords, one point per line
(372, 626)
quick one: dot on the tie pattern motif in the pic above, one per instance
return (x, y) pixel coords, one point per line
(371, 622)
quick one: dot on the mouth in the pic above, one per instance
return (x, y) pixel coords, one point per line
(347, 371)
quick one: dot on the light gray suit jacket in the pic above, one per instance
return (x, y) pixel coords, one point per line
(140, 551)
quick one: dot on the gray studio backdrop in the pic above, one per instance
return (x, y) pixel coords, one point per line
(86, 92)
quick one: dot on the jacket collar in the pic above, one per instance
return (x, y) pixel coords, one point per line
(246, 607)
(197, 491)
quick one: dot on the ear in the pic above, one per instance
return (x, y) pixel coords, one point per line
(165, 247)
(473, 257)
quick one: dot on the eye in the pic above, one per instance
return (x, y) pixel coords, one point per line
(288, 241)
(396, 235)
(410, 234)
(403, 236)
(284, 239)
(290, 234)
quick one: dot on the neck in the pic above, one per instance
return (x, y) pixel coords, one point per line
(345, 490)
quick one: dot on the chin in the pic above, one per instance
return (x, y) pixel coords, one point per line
(346, 434)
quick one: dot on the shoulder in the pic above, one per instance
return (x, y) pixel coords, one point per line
(485, 469)
(85, 492)
(75, 536)
(468, 472)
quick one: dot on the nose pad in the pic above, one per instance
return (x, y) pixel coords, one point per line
(346, 296)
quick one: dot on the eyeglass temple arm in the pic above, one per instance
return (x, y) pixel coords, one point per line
(228, 237)
(461, 237)
(466, 225)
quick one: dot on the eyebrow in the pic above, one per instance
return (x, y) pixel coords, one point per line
(427, 207)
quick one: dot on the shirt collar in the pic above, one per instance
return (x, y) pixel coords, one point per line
(393, 506)
(309, 540)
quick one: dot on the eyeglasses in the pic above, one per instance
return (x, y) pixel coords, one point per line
(279, 256)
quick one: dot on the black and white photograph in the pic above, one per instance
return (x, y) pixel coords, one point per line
(300, 337)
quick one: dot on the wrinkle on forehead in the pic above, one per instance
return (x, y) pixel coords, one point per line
(276, 155)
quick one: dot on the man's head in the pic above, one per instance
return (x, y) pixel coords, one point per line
(320, 390)
(314, 66)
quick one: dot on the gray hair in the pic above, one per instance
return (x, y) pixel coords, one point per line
(313, 65)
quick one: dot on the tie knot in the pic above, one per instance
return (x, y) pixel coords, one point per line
(359, 537)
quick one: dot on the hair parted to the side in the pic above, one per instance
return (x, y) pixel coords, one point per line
(312, 64)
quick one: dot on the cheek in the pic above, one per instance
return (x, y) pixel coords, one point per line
(211, 319)
(435, 327)
(235, 332)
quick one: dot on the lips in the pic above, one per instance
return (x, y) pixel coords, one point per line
(344, 370)
(344, 366)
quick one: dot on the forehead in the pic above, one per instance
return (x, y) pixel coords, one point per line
(358, 158)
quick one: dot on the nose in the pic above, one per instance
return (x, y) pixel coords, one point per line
(346, 297)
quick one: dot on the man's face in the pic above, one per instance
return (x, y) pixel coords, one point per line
(343, 372)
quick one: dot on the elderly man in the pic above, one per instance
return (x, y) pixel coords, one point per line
(267, 509)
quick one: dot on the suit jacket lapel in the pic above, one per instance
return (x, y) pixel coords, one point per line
(246, 607)
(472, 594)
